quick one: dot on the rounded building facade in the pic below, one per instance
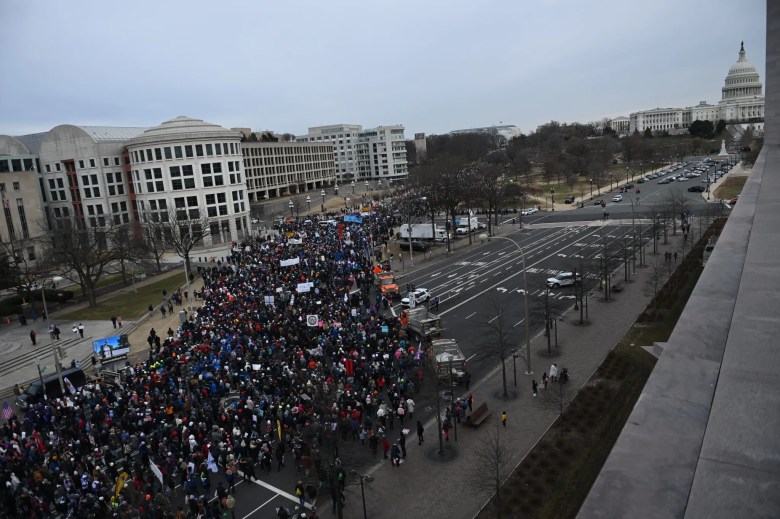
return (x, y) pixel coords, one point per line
(190, 172)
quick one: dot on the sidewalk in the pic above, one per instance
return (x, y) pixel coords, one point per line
(18, 355)
(425, 487)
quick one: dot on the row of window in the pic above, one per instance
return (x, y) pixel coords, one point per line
(84, 163)
(22, 219)
(217, 149)
(285, 150)
(13, 165)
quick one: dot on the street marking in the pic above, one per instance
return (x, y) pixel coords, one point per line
(521, 321)
(493, 319)
(259, 507)
(562, 255)
(435, 274)
(471, 314)
(501, 289)
(278, 491)
(468, 359)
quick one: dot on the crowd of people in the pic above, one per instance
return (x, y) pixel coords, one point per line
(287, 354)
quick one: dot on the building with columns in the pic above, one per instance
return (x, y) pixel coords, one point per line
(195, 169)
(742, 103)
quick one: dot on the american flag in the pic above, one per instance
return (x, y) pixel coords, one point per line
(7, 411)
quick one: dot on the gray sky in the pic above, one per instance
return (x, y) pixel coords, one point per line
(432, 65)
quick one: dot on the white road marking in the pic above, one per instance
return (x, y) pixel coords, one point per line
(493, 319)
(471, 314)
(259, 507)
(521, 321)
(278, 491)
(501, 289)
(468, 359)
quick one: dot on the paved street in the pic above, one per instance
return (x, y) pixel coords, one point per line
(466, 280)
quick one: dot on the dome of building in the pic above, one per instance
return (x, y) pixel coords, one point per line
(742, 66)
(184, 128)
(742, 80)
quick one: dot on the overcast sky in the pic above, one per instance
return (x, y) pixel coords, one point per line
(431, 65)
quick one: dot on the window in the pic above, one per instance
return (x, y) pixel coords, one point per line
(158, 154)
(177, 152)
(199, 150)
(167, 150)
(149, 154)
(16, 186)
(48, 168)
(31, 253)
(209, 151)
(57, 166)
(218, 147)
(81, 164)
(91, 163)
(188, 151)
(116, 161)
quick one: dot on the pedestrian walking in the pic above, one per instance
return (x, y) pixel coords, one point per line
(373, 443)
(446, 428)
(300, 492)
(410, 406)
(503, 418)
(470, 400)
(119, 320)
(401, 413)
(467, 379)
(231, 480)
(534, 387)
(56, 332)
(395, 455)
(32, 336)
(385, 447)
(163, 310)
(675, 257)
(436, 303)
(151, 310)
(554, 373)
(230, 504)
(402, 444)
(81, 330)
(113, 321)
(420, 431)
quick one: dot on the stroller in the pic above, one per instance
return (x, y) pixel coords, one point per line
(564, 376)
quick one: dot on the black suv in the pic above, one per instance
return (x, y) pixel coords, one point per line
(569, 199)
(420, 246)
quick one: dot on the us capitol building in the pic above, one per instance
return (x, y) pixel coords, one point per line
(741, 104)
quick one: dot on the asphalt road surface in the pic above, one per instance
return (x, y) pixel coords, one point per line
(484, 285)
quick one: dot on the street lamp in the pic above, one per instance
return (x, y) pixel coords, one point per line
(528, 371)
(53, 348)
(368, 479)
(353, 186)
(308, 202)
(290, 205)
(591, 188)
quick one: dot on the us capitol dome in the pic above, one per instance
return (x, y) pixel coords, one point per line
(741, 105)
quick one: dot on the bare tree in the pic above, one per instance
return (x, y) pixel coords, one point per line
(500, 339)
(183, 230)
(556, 398)
(128, 242)
(155, 243)
(84, 251)
(493, 466)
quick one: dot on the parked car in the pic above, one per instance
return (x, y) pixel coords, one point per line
(617, 198)
(683, 179)
(598, 202)
(569, 199)
(563, 279)
(418, 295)
(529, 211)
(696, 189)
(664, 181)
(420, 246)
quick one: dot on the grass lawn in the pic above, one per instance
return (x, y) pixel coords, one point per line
(128, 304)
(730, 188)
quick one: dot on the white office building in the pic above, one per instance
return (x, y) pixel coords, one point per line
(361, 155)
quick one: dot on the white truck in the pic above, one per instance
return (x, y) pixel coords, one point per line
(468, 224)
(422, 231)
